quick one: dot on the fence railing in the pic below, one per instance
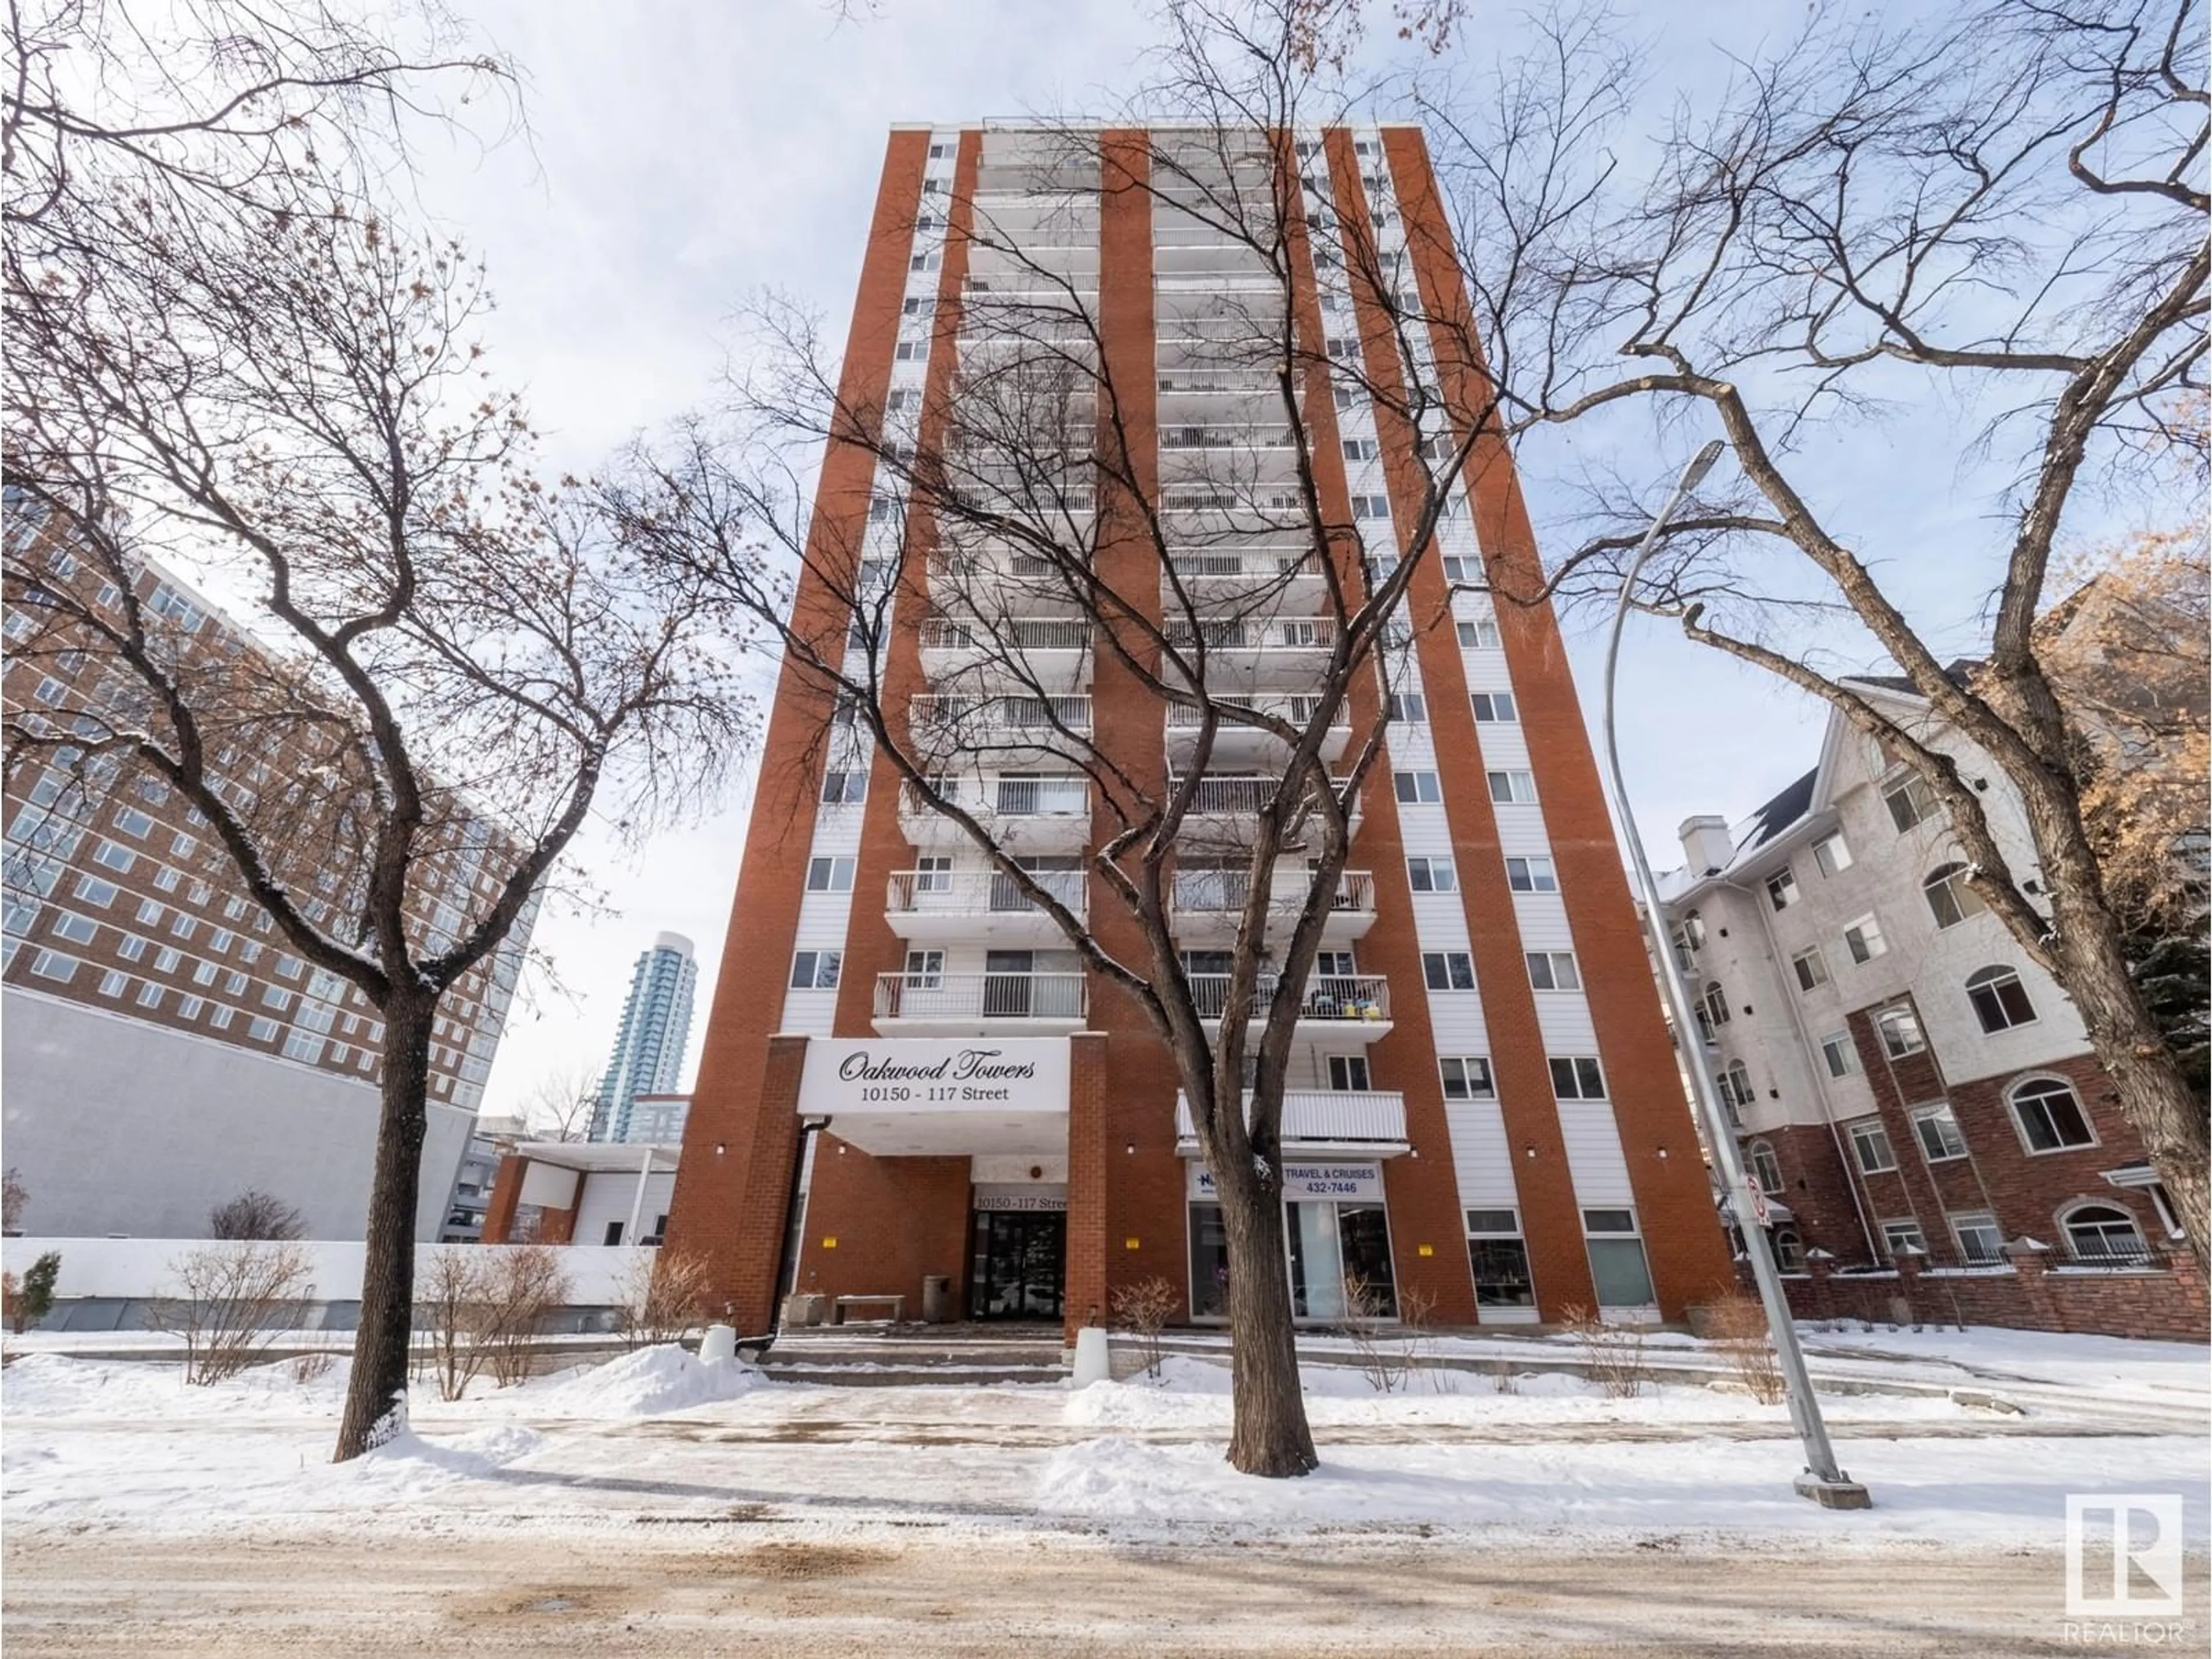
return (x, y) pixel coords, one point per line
(922, 995)
(1012, 633)
(1342, 1117)
(1209, 892)
(983, 717)
(982, 892)
(1328, 996)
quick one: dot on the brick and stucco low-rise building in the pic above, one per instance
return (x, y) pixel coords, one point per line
(1917, 1099)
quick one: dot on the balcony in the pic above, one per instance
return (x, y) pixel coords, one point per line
(1280, 653)
(1250, 745)
(1242, 575)
(1323, 1123)
(1045, 814)
(1344, 1007)
(946, 725)
(1206, 906)
(1223, 808)
(979, 1004)
(941, 907)
(1054, 652)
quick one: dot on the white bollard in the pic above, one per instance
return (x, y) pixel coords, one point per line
(1093, 1362)
(719, 1346)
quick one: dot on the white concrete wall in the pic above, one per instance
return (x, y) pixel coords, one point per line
(608, 1195)
(117, 1126)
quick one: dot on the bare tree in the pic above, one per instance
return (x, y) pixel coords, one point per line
(454, 1299)
(1999, 211)
(1027, 530)
(232, 1300)
(560, 1104)
(256, 1214)
(661, 1295)
(523, 1284)
(14, 1195)
(466, 661)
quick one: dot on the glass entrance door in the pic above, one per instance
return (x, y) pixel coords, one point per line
(1020, 1258)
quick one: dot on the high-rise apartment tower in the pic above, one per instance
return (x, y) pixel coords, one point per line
(1484, 1108)
(656, 1025)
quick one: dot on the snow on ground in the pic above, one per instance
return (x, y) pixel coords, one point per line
(657, 1434)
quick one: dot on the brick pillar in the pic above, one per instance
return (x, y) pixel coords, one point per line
(1910, 1264)
(506, 1194)
(2030, 1263)
(1820, 1298)
(1084, 1297)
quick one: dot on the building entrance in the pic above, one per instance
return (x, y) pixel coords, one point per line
(1021, 1258)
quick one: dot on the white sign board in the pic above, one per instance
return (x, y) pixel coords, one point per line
(1303, 1182)
(874, 1075)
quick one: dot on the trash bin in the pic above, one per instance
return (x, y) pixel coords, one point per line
(936, 1300)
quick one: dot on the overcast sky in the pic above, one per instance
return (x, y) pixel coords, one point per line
(682, 156)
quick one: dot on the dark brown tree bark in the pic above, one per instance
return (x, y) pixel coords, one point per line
(1268, 1435)
(376, 1390)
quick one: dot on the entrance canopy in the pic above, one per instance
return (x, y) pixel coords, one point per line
(940, 1097)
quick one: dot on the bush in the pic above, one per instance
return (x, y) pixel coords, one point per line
(1142, 1310)
(1738, 1326)
(256, 1214)
(31, 1298)
(231, 1296)
(660, 1296)
(524, 1284)
(452, 1310)
(1614, 1353)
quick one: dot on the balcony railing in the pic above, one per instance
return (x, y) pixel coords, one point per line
(1210, 892)
(982, 892)
(1250, 634)
(1297, 711)
(1372, 1118)
(960, 718)
(980, 996)
(1010, 797)
(1012, 633)
(1225, 437)
(1249, 563)
(1235, 796)
(1351, 997)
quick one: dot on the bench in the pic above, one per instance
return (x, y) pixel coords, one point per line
(895, 1303)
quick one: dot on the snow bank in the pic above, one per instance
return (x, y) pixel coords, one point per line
(55, 1385)
(652, 1381)
(408, 1467)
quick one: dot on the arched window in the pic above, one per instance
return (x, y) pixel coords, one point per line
(1949, 897)
(1789, 1251)
(2050, 1116)
(1766, 1167)
(2000, 999)
(2102, 1234)
(1735, 1086)
(1716, 1003)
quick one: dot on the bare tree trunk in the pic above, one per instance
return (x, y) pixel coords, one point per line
(1269, 1436)
(376, 1393)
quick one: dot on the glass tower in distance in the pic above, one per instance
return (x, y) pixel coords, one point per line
(656, 1024)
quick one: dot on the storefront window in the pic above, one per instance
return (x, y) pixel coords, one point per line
(1499, 1257)
(1209, 1263)
(1330, 1245)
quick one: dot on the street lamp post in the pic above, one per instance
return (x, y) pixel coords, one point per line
(1823, 1480)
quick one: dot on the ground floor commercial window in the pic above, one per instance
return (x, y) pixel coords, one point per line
(1499, 1256)
(1337, 1239)
(1618, 1269)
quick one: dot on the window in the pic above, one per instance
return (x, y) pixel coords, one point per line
(1616, 1258)
(1512, 788)
(203, 973)
(1782, 888)
(932, 875)
(1466, 1077)
(131, 947)
(183, 845)
(166, 958)
(1448, 970)
(1811, 968)
(1789, 1251)
(1950, 899)
(1831, 854)
(1576, 1078)
(1362, 449)
(1462, 570)
(1494, 707)
(1431, 875)
(1370, 506)
(832, 875)
(2000, 999)
(133, 821)
(1870, 1145)
(816, 971)
(925, 970)
(844, 788)
(1900, 1030)
(1347, 1072)
(1900, 1235)
(1980, 1244)
(276, 997)
(235, 984)
(1841, 1053)
(114, 982)
(1554, 970)
(93, 890)
(303, 1046)
(1736, 1089)
(221, 1017)
(2103, 1234)
(52, 965)
(1938, 1130)
(290, 967)
(1499, 1257)
(77, 930)
(261, 1030)
(1766, 1167)
(1480, 635)
(1712, 1007)
(118, 859)
(150, 994)
(2050, 1116)
(1409, 705)
(1418, 788)
(1531, 876)
(1910, 800)
(1864, 939)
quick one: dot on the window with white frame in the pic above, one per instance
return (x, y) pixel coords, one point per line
(1832, 854)
(114, 982)
(816, 971)
(93, 890)
(1950, 901)
(1981, 1244)
(1431, 875)
(1811, 968)
(1910, 800)
(1736, 1092)
(1499, 1257)
(1494, 707)
(77, 930)
(1766, 1166)
(1512, 788)
(1347, 1073)
(924, 970)
(52, 965)
(1576, 1077)
(1466, 1077)
(829, 875)
(1840, 1053)
(1531, 875)
(2101, 1234)
(1448, 970)
(1870, 1145)
(1782, 888)
(1999, 999)
(1903, 1234)
(1410, 706)
(1552, 970)
(1418, 788)
(2050, 1116)
(1479, 635)
(1937, 1129)
(1864, 939)
(1618, 1269)
(933, 874)
(844, 788)
(1898, 1027)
